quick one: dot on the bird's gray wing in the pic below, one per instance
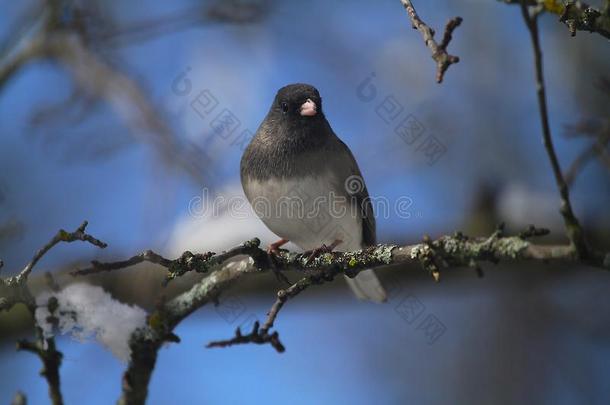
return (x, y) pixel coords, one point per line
(350, 183)
(365, 285)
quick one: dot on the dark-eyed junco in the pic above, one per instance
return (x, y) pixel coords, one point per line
(305, 185)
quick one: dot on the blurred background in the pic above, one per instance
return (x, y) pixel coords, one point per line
(118, 127)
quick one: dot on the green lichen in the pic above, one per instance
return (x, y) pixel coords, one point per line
(452, 244)
(419, 251)
(383, 254)
(252, 243)
(511, 247)
(326, 259)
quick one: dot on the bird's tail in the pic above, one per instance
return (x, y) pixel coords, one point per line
(367, 286)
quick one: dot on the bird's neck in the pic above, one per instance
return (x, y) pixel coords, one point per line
(282, 151)
(296, 138)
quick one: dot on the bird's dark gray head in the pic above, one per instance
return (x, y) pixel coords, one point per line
(294, 131)
(299, 101)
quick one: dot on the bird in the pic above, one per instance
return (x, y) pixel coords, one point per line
(303, 182)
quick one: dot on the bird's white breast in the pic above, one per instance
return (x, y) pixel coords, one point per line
(307, 211)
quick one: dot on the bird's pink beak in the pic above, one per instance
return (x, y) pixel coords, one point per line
(309, 108)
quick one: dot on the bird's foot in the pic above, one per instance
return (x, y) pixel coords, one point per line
(274, 248)
(312, 254)
(274, 252)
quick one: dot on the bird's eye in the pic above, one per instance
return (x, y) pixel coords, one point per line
(284, 107)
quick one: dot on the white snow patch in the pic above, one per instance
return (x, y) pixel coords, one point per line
(86, 310)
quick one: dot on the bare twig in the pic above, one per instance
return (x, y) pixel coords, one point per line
(188, 261)
(573, 228)
(439, 51)
(257, 336)
(223, 11)
(61, 236)
(576, 14)
(51, 361)
(146, 256)
(599, 131)
(595, 150)
(262, 335)
(14, 290)
(46, 350)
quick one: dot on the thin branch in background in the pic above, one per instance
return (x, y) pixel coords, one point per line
(573, 229)
(61, 236)
(579, 163)
(439, 51)
(595, 129)
(70, 45)
(598, 149)
(222, 11)
(14, 290)
(51, 362)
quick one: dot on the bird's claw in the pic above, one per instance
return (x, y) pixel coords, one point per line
(312, 254)
(274, 253)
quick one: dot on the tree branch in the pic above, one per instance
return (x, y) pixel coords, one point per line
(199, 262)
(61, 236)
(67, 44)
(573, 229)
(14, 290)
(439, 51)
(51, 358)
(577, 15)
(257, 336)
(433, 255)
